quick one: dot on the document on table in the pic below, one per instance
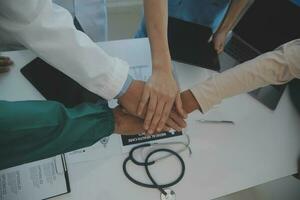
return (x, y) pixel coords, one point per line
(35, 181)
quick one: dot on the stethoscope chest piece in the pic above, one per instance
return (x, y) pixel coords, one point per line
(169, 196)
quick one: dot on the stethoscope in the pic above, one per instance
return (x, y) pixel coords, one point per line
(166, 194)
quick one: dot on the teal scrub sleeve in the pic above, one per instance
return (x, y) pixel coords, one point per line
(34, 130)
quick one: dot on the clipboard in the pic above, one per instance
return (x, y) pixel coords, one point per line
(37, 180)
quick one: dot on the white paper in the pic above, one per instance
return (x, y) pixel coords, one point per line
(34, 181)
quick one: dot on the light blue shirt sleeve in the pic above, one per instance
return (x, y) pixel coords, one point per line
(125, 86)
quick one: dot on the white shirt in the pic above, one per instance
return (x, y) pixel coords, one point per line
(48, 30)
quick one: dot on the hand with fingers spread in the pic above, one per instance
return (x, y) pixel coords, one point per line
(5, 62)
(159, 95)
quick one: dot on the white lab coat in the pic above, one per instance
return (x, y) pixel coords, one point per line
(48, 30)
(91, 14)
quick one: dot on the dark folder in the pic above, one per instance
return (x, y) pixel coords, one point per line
(188, 43)
(55, 85)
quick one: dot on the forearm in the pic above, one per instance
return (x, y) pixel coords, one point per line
(234, 12)
(276, 67)
(156, 15)
(35, 130)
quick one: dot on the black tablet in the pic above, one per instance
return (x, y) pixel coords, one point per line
(55, 85)
(188, 43)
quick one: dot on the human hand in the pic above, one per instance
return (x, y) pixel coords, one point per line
(5, 62)
(131, 99)
(189, 104)
(159, 95)
(126, 124)
(219, 41)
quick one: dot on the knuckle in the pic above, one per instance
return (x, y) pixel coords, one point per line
(165, 115)
(162, 98)
(151, 110)
(153, 91)
(145, 98)
(153, 124)
(156, 116)
(162, 122)
(142, 103)
(165, 96)
(168, 97)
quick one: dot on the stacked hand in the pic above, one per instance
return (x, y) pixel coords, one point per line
(162, 115)
(130, 101)
(127, 123)
(159, 95)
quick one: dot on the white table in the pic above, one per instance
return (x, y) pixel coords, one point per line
(262, 146)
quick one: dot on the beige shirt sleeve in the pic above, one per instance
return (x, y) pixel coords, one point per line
(275, 67)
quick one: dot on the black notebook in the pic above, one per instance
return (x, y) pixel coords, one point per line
(188, 43)
(55, 85)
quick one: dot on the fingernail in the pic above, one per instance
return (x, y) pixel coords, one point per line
(151, 131)
(159, 129)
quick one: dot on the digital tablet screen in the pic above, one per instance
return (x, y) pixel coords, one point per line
(56, 86)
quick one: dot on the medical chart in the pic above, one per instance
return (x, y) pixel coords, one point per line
(35, 181)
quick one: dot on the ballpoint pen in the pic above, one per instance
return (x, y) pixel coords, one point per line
(215, 121)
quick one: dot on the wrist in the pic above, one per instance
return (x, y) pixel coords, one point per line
(162, 62)
(222, 30)
(130, 99)
(189, 102)
(116, 120)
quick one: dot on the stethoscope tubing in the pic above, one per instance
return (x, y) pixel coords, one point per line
(146, 164)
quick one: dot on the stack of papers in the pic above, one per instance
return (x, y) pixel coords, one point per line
(35, 181)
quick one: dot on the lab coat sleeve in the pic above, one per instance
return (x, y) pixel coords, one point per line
(276, 67)
(34, 130)
(48, 30)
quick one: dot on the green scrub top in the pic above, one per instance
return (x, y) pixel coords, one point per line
(34, 130)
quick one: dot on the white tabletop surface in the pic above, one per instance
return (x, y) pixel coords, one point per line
(262, 146)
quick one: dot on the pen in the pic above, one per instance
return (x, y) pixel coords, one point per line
(215, 121)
